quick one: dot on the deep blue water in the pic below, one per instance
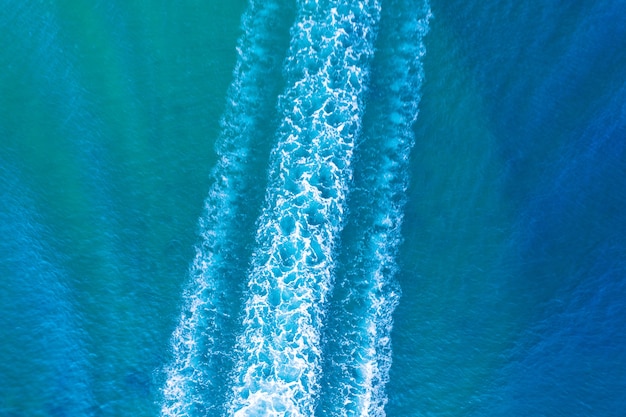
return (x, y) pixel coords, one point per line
(330, 208)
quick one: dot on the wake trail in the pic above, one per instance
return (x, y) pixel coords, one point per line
(327, 69)
(358, 340)
(202, 342)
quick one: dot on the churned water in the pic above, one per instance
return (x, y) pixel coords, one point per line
(312, 208)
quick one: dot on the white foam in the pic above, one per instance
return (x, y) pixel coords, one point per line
(279, 349)
(365, 346)
(195, 342)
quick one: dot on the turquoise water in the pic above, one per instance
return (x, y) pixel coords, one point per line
(322, 208)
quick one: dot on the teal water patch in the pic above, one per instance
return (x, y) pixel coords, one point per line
(44, 368)
(116, 151)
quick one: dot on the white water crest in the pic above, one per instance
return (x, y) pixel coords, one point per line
(368, 293)
(200, 348)
(327, 68)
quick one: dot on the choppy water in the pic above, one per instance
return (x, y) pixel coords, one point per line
(329, 208)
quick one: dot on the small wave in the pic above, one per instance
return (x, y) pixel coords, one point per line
(327, 71)
(201, 344)
(358, 340)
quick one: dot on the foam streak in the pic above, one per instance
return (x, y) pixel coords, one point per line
(327, 69)
(194, 379)
(367, 293)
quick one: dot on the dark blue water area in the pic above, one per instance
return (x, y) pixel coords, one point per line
(571, 358)
(553, 75)
(549, 324)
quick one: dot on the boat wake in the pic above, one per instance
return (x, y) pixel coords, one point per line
(339, 159)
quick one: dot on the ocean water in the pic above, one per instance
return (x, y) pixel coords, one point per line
(329, 208)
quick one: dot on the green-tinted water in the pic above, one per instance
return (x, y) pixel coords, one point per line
(110, 111)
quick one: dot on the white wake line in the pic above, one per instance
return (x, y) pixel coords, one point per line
(188, 380)
(279, 349)
(379, 268)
